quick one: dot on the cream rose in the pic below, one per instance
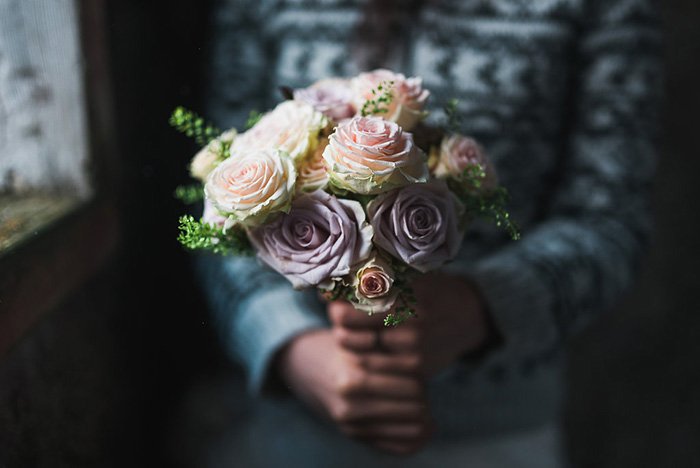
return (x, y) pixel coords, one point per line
(457, 153)
(293, 126)
(212, 154)
(373, 283)
(371, 155)
(251, 185)
(409, 97)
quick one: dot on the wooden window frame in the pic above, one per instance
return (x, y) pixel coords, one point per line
(38, 274)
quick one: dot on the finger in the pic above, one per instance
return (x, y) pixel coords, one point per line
(399, 340)
(394, 363)
(357, 340)
(374, 409)
(396, 386)
(386, 430)
(342, 313)
(380, 385)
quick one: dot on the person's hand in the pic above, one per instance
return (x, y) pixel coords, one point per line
(451, 323)
(385, 410)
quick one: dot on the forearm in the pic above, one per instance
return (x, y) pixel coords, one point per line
(255, 312)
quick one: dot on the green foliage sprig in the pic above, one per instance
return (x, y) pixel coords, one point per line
(189, 194)
(383, 96)
(404, 307)
(491, 206)
(339, 292)
(453, 121)
(198, 235)
(253, 118)
(191, 124)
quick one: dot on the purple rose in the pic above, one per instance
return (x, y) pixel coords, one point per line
(332, 97)
(320, 238)
(418, 224)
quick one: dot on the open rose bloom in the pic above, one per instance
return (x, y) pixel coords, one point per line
(330, 190)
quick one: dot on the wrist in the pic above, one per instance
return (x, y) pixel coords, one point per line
(489, 336)
(293, 355)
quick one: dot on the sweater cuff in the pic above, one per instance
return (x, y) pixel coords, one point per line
(267, 322)
(519, 301)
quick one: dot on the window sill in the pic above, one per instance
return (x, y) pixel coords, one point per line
(35, 276)
(23, 216)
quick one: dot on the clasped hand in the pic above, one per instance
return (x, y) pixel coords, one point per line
(370, 380)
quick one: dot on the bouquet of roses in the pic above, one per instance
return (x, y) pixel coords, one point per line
(342, 187)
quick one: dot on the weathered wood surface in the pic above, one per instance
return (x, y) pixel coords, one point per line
(43, 127)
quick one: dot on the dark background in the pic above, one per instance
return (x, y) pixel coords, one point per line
(114, 375)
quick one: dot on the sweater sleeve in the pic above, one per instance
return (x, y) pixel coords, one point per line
(255, 312)
(584, 255)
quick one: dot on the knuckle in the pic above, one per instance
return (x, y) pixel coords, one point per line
(349, 382)
(350, 430)
(414, 362)
(341, 335)
(414, 430)
(338, 311)
(364, 361)
(341, 412)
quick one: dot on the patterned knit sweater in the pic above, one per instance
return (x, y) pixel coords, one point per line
(564, 95)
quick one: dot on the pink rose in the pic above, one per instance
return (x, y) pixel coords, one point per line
(457, 153)
(332, 97)
(321, 238)
(409, 96)
(418, 224)
(373, 283)
(370, 155)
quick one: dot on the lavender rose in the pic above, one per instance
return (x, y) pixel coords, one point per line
(332, 97)
(321, 238)
(418, 224)
(212, 216)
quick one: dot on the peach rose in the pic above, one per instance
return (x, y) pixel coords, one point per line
(409, 97)
(251, 185)
(371, 155)
(293, 126)
(312, 174)
(211, 155)
(458, 152)
(373, 283)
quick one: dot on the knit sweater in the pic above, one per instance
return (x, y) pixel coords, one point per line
(563, 95)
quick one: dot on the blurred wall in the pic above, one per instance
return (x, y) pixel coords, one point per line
(634, 378)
